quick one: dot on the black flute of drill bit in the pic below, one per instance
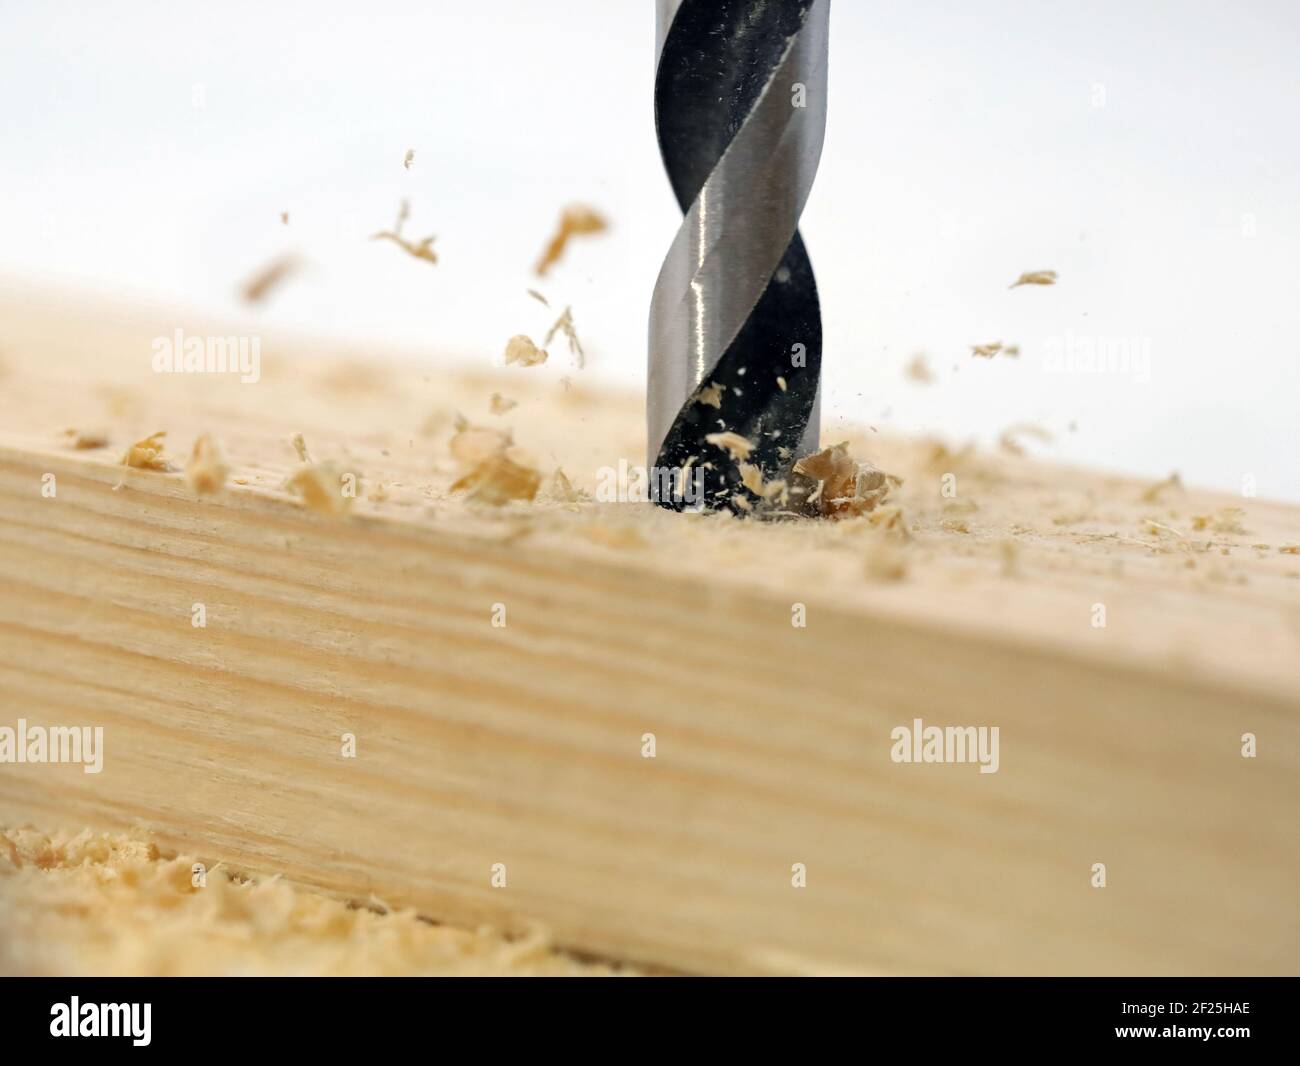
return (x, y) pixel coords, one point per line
(735, 322)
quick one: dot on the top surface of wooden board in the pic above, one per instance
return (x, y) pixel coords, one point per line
(1198, 584)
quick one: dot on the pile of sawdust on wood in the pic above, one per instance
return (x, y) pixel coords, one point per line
(100, 904)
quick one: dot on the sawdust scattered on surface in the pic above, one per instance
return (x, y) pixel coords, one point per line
(205, 472)
(494, 470)
(1225, 520)
(499, 404)
(87, 439)
(103, 904)
(300, 448)
(538, 297)
(1034, 277)
(562, 488)
(408, 159)
(147, 454)
(257, 288)
(575, 220)
(320, 487)
(421, 249)
(284, 218)
(521, 351)
(1152, 493)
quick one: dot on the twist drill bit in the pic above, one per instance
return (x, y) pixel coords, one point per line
(735, 322)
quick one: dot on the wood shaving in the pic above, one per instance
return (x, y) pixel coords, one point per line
(539, 297)
(733, 443)
(205, 471)
(564, 324)
(320, 486)
(918, 369)
(1034, 277)
(986, 351)
(956, 525)
(500, 479)
(409, 158)
(471, 445)
(147, 454)
(300, 446)
(1289, 549)
(87, 440)
(846, 488)
(495, 470)
(521, 351)
(499, 404)
(710, 395)
(1227, 520)
(1008, 443)
(257, 288)
(422, 249)
(562, 489)
(575, 220)
(1151, 494)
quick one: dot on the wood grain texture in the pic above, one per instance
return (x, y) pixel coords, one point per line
(522, 745)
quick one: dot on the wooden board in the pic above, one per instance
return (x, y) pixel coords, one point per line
(522, 745)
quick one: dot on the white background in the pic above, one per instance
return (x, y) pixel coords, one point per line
(147, 150)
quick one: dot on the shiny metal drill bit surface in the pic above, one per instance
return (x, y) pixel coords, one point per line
(740, 111)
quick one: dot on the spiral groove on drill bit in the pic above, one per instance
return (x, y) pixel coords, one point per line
(735, 321)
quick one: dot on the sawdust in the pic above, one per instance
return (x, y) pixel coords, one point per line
(732, 443)
(521, 351)
(1152, 493)
(1225, 520)
(564, 324)
(846, 488)
(986, 351)
(320, 487)
(499, 404)
(1011, 446)
(408, 159)
(257, 288)
(539, 297)
(575, 220)
(710, 395)
(1034, 277)
(499, 479)
(495, 470)
(421, 249)
(101, 904)
(918, 370)
(205, 471)
(147, 454)
(87, 440)
(300, 447)
(562, 488)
